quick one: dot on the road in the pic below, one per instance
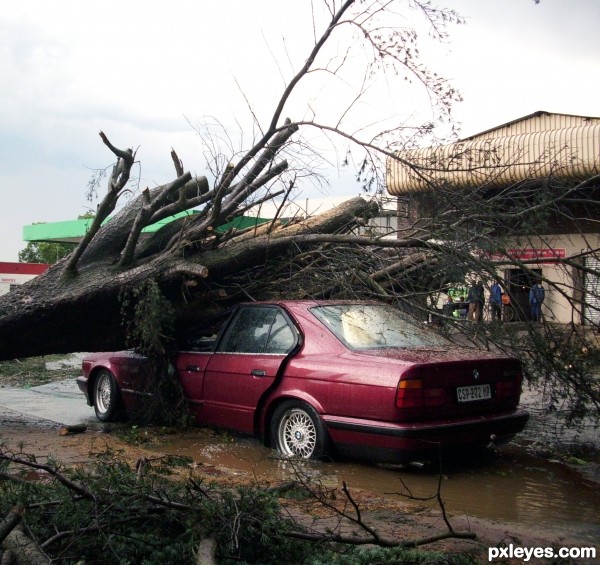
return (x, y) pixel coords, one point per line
(516, 489)
(58, 402)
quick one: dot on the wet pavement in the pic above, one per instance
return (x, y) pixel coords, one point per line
(59, 402)
(510, 487)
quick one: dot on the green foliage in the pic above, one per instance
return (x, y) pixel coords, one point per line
(561, 364)
(44, 252)
(120, 526)
(249, 528)
(32, 371)
(564, 363)
(151, 514)
(149, 318)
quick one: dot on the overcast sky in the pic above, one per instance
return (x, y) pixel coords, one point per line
(143, 71)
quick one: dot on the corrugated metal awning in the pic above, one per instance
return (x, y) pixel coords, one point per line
(571, 153)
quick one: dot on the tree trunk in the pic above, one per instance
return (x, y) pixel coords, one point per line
(63, 311)
(24, 548)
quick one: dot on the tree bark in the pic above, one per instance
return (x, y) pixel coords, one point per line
(206, 552)
(63, 311)
(24, 548)
(74, 429)
(10, 521)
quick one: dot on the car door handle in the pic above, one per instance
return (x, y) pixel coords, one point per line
(193, 368)
(258, 373)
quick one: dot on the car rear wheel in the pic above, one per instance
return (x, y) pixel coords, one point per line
(106, 396)
(297, 431)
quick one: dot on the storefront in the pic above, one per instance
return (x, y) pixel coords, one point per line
(563, 269)
(15, 274)
(524, 152)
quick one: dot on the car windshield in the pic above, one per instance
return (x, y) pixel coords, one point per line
(372, 326)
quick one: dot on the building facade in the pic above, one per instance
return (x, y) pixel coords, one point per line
(522, 152)
(15, 274)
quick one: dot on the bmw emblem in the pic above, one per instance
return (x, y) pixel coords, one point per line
(475, 374)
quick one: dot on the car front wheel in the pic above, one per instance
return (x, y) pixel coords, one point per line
(297, 431)
(106, 396)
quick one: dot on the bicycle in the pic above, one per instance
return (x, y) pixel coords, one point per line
(508, 313)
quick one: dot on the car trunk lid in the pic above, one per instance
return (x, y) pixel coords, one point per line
(439, 383)
(458, 388)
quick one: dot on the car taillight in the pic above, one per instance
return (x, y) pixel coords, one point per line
(507, 389)
(412, 394)
(511, 386)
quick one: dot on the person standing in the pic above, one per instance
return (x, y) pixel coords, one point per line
(476, 301)
(496, 301)
(536, 299)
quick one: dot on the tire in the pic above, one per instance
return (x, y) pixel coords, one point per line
(297, 431)
(107, 399)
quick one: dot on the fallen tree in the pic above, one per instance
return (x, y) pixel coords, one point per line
(63, 310)
(201, 263)
(196, 261)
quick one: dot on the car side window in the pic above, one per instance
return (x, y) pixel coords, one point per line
(258, 329)
(249, 331)
(282, 337)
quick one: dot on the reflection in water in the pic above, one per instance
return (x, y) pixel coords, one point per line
(509, 487)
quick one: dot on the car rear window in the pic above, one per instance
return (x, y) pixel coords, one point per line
(374, 326)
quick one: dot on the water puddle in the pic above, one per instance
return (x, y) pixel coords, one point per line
(509, 487)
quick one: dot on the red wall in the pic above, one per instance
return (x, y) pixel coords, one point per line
(23, 268)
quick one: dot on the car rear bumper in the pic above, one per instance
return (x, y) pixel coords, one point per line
(405, 440)
(82, 383)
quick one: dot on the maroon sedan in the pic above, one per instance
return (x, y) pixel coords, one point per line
(312, 378)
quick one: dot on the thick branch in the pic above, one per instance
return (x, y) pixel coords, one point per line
(380, 541)
(195, 193)
(25, 549)
(8, 523)
(145, 214)
(244, 187)
(248, 251)
(117, 181)
(80, 490)
(233, 208)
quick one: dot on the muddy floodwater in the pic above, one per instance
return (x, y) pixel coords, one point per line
(508, 487)
(514, 487)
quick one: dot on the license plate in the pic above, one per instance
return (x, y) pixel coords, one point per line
(472, 393)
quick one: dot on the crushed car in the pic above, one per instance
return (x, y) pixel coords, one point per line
(316, 378)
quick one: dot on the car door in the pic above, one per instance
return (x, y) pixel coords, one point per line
(245, 365)
(191, 367)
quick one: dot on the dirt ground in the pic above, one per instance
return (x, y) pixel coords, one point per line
(393, 519)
